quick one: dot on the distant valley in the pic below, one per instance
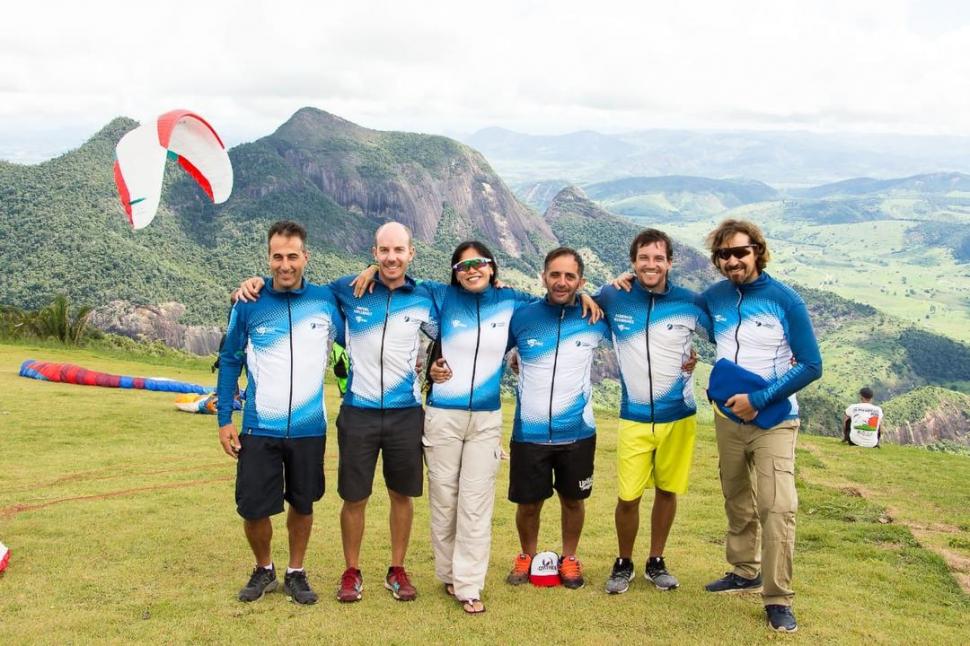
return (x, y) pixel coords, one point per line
(883, 263)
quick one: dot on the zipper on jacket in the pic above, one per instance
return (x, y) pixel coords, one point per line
(653, 420)
(289, 316)
(737, 330)
(387, 314)
(555, 360)
(478, 341)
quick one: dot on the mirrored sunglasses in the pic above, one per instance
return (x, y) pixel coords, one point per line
(737, 252)
(471, 263)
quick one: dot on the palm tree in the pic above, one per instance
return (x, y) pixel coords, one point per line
(57, 321)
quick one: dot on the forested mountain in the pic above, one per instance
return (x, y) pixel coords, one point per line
(62, 230)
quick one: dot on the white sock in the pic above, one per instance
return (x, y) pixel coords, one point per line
(267, 567)
(291, 570)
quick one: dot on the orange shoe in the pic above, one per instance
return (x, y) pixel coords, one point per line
(571, 573)
(520, 570)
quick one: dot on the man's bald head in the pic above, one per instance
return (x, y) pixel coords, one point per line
(395, 229)
(393, 252)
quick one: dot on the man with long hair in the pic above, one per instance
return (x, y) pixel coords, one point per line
(762, 329)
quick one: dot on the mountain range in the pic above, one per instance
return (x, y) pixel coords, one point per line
(62, 230)
(780, 158)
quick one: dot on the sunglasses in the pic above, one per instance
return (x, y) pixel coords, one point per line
(737, 252)
(471, 263)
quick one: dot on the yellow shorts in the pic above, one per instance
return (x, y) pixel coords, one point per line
(654, 455)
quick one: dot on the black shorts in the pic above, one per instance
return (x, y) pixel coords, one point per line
(273, 469)
(395, 433)
(535, 469)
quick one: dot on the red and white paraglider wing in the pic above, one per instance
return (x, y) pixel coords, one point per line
(139, 169)
(200, 151)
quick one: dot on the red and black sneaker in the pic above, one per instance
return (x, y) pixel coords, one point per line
(399, 585)
(351, 586)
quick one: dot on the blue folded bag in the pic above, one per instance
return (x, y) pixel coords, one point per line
(728, 379)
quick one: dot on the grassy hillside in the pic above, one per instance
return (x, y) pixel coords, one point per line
(120, 511)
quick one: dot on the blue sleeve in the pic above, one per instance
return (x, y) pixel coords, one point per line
(338, 325)
(436, 293)
(607, 332)
(231, 358)
(808, 367)
(522, 298)
(513, 331)
(704, 322)
(341, 287)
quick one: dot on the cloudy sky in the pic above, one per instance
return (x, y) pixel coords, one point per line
(67, 68)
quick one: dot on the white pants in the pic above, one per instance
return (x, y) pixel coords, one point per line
(463, 451)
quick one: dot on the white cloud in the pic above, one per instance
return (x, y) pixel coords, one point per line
(894, 65)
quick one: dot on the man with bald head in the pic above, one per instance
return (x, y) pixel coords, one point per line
(381, 412)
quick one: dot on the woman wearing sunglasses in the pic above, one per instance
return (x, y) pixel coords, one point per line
(463, 417)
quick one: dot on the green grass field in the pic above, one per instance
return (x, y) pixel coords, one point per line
(119, 512)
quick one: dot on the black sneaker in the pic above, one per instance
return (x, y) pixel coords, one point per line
(260, 582)
(658, 574)
(623, 573)
(781, 619)
(298, 588)
(731, 582)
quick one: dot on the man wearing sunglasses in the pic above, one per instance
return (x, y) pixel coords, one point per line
(762, 326)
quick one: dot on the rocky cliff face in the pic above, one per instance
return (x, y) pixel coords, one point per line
(403, 176)
(157, 322)
(948, 421)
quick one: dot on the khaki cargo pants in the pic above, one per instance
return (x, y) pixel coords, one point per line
(757, 469)
(463, 450)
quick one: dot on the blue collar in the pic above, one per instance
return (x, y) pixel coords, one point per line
(268, 285)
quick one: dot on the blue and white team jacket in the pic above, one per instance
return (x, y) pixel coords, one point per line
(652, 335)
(474, 329)
(284, 338)
(762, 326)
(555, 345)
(383, 342)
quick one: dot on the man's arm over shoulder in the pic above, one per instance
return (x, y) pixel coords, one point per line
(231, 358)
(804, 346)
(705, 324)
(338, 324)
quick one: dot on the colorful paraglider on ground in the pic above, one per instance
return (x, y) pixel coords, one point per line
(70, 374)
(194, 398)
(140, 162)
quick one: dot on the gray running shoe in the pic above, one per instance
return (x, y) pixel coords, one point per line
(260, 582)
(623, 573)
(658, 574)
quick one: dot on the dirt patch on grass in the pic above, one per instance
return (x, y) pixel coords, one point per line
(111, 473)
(13, 510)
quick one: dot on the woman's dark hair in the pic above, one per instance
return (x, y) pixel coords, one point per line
(481, 250)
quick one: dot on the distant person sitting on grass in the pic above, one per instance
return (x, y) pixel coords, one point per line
(862, 422)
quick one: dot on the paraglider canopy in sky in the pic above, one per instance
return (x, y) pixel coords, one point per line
(140, 162)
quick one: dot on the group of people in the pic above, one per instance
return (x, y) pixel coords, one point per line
(279, 329)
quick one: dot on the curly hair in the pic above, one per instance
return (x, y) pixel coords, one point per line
(728, 228)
